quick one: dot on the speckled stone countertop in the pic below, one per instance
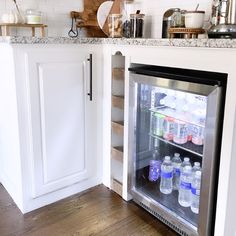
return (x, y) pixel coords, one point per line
(206, 43)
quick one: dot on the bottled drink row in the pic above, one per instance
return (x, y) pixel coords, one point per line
(176, 130)
(178, 176)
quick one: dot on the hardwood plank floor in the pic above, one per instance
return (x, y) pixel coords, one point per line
(97, 212)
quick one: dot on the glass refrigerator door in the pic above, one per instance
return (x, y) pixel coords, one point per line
(172, 123)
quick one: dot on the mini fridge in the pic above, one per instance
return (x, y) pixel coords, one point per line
(180, 112)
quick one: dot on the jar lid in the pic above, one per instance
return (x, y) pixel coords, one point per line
(137, 15)
(33, 12)
(195, 11)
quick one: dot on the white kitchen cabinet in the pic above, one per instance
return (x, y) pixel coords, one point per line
(58, 124)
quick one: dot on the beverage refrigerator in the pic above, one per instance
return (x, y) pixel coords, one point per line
(175, 111)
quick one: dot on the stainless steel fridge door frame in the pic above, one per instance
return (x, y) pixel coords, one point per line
(214, 95)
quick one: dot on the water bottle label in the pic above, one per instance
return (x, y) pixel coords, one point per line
(185, 185)
(166, 175)
(176, 171)
(195, 191)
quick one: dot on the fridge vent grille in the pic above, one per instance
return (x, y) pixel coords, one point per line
(178, 230)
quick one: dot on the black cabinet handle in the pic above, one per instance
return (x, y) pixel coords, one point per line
(90, 94)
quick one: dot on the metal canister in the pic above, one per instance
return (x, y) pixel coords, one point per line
(171, 18)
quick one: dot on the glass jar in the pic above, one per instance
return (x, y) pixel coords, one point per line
(176, 18)
(115, 25)
(127, 9)
(136, 25)
(33, 17)
(183, 12)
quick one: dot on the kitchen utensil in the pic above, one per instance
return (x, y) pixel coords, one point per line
(73, 32)
(197, 7)
(223, 19)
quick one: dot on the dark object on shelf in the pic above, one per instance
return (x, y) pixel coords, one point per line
(223, 19)
(136, 25)
(169, 20)
(126, 29)
(222, 31)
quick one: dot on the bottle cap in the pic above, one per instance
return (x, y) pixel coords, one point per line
(188, 168)
(186, 159)
(198, 174)
(177, 155)
(167, 158)
(197, 164)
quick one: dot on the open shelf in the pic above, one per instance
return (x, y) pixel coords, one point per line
(116, 186)
(118, 102)
(189, 146)
(117, 153)
(182, 116)
(118, 127)
(117, 122)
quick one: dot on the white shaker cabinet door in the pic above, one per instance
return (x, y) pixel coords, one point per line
(57, 94)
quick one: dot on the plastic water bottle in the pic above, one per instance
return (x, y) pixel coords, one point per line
(196, 185)
(155, 166)
(166, 176)
(185, 187)
(186, 162)
(176, 162)
(196, 167)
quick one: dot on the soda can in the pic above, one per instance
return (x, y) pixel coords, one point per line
(180, 132)
(197, 135)
(157, 124)
(168, 128)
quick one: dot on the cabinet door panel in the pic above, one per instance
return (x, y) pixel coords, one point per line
(57, 91)
(62, 117)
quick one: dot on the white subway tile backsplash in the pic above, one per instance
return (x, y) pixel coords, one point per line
(56, 12)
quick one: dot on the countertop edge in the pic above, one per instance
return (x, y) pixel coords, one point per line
(204, 43)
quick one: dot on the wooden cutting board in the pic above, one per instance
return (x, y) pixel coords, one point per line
(115, 9)
(88, 18)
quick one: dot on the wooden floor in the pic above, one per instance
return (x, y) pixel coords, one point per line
(97, 211)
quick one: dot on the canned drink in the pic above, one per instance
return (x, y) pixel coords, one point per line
(154, 170)
(168, 128)
(198, 135)
(180, 132)
(189, 132)
(157, 124)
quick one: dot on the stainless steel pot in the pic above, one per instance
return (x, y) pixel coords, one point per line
(223, 19)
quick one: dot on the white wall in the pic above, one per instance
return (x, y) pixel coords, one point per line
(56, 12)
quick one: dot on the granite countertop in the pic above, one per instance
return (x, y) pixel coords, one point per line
(206, 43)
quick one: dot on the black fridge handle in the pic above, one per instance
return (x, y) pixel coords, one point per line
(90, 94)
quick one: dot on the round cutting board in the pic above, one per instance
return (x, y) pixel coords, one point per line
(103, 12)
